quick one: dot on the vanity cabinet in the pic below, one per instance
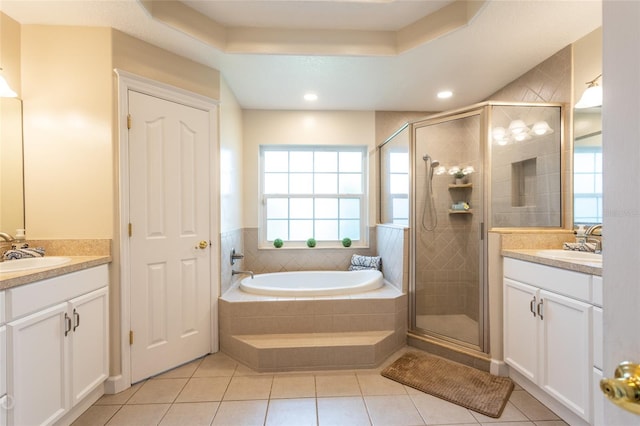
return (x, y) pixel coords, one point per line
(57, 344)
(548, 331)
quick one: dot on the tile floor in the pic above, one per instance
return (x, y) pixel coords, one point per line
(216, 390)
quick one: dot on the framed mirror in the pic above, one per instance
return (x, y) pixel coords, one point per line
(11, 166)
(587, 166)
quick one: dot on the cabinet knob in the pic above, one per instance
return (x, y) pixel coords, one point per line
(624, 389)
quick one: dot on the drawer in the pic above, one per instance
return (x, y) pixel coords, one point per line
(560, 281)
(33, 297)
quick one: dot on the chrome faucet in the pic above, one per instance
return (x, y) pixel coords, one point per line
(8, 238)
(241, 272)
(597, 241)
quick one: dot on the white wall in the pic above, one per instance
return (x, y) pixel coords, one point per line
(262, 127)
(231, 160)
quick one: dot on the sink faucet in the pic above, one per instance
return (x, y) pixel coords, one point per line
(8, 238)
(598, 241)
(241, 272)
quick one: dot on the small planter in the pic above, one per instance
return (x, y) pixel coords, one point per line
(311, 243)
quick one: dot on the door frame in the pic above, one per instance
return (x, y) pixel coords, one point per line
(127, 81)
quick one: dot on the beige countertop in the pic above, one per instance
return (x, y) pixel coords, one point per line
(14, 279)
(530, 255)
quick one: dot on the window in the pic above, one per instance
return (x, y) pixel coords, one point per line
(313, 192)
(399, 187)
(587, 184)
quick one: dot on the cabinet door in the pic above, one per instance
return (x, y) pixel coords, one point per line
(566, 351)
(89, 359)
(520, 328)
(36, 367)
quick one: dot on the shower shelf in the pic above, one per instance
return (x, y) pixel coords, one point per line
(461, 211)
(462, 185)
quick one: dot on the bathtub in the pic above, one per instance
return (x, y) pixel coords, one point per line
(312, 283)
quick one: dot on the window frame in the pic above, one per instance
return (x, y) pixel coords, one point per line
(363, 242)
(589, 195)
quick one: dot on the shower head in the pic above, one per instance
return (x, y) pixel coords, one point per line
(434, 163)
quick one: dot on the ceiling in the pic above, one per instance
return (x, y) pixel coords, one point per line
(391, 55)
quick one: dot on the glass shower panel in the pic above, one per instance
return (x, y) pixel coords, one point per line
(448, 275)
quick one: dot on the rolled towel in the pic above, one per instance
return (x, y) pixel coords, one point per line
(359, 262)
(23, 252)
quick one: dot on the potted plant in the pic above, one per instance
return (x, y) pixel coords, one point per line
(346, 242)
(311, 242)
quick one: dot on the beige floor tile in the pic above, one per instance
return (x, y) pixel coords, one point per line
(158, 391)
(497, 422)
(531, 407)
(337, 385)
(510, 414)
(96, 415)
(217, 364)
(438, 411)
(138, 415)
(292, 412)
(375, 384)
(249, 387)
(191, 414)
(293, 386)
(392, 410)
(245, 413)
(200, 389)
(550, 423)
(183, 371)
(342, 411)
(120, 397)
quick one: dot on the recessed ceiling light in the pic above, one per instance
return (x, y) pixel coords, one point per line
(445, 94)
(310, 97)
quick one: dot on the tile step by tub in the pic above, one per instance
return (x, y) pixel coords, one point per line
(305, 351)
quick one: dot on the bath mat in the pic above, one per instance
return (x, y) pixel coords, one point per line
(466, 386)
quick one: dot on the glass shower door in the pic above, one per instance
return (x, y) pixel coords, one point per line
(447, 226)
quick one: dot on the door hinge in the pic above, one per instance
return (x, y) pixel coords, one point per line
(128, 121)
(131, 337)
(130, 229)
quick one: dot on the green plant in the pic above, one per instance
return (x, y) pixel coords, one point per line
(459, 174)
(311, 242)
(277, 243)
(346, 242)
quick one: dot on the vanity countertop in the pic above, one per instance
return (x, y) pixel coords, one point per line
(530, 255)
(14, 279)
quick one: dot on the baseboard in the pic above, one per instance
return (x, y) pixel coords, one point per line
(81, 407)
(499, 368)
(116, 384)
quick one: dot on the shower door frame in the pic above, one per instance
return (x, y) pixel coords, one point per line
(481, 111)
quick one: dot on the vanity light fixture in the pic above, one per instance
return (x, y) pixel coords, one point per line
(310, 97)
(518, 131)
(592, 96)
(5, 90)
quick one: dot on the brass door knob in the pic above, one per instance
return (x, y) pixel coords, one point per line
(624, 389)
(203, 245)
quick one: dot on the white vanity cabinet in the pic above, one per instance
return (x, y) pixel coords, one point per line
(548, 331)
(57, 344)
(3, 364)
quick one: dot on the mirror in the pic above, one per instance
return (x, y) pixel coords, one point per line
(587, 166)
(11, 166)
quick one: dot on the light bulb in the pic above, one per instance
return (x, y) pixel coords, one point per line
(440, 170)
(517, 127)
(541, 128)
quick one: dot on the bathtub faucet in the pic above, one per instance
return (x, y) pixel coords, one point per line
(241, 272)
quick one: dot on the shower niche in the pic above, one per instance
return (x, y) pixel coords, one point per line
(509, 159)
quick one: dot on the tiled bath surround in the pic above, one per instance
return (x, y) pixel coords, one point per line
(352, 331)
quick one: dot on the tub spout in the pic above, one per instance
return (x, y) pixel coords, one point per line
(242, 272)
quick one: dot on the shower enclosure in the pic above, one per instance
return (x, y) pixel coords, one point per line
(487, 166)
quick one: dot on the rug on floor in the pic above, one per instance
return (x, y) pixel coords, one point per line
(466, 386)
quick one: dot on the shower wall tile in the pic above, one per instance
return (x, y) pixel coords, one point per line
(393, 248)
(230, 240)
(299, 259)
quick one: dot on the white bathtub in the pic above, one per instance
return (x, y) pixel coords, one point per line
(313, 283)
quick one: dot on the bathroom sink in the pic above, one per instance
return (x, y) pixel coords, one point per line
(18, 265)
(571, 256)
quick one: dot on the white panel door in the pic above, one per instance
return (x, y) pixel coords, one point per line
(169, 161)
